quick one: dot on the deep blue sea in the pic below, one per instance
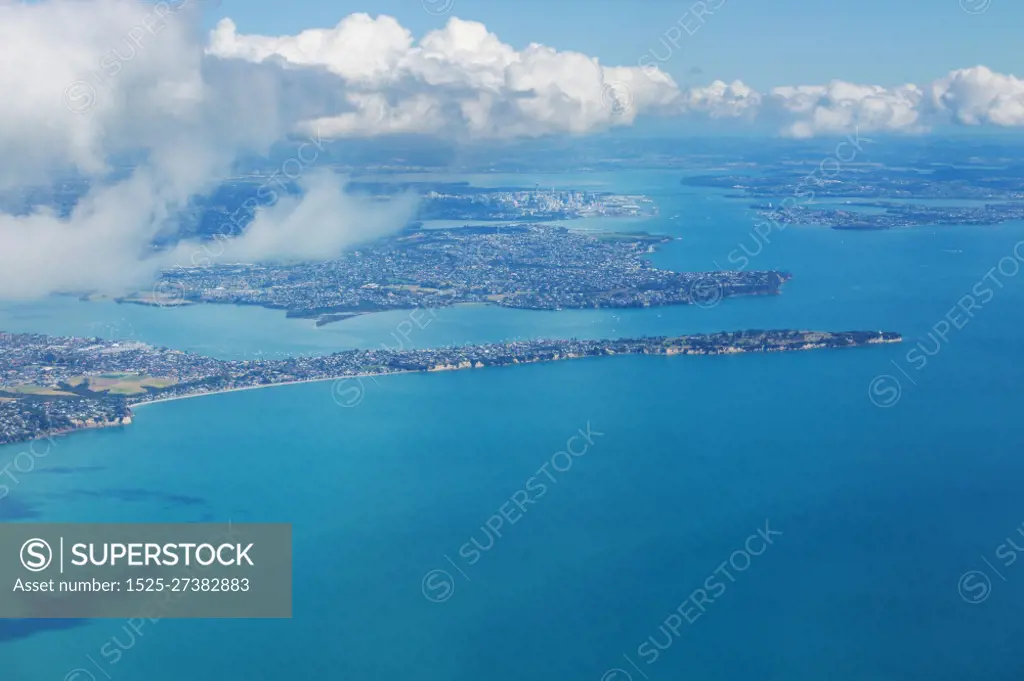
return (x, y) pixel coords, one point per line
(881, 510)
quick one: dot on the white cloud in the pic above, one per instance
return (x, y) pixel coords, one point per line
(67, 59)
(360, 48)
(318, 225)
(978, 95)
(460, 80)
(96, 80)
(975, 96)
(102, 246)
(840, 107)
(721, 100)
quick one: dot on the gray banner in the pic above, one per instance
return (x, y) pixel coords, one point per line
(145, 570)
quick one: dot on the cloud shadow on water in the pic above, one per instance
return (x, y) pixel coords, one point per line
(13, 630)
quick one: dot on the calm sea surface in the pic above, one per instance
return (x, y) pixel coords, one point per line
(881, 509)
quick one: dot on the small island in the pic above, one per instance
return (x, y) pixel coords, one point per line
(57, 385)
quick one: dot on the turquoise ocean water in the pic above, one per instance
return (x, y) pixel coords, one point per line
(881, 509)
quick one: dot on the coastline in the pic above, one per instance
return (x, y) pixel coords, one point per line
(136, 405)
(439, 369)
(64, 432)
(536, 352)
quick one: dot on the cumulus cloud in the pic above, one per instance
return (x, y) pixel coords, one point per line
(840, 107)
(101, 81)
(978, 95)
(721, 100)
(461, 80)
(974, 96)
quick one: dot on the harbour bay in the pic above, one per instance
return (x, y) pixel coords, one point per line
(862, 581)
(460, 340)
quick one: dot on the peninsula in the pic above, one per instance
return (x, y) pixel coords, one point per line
(536, 267)
(55, 385)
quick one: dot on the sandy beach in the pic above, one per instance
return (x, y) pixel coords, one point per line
(137, 405)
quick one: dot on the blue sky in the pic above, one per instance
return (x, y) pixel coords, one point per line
(762, 42)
